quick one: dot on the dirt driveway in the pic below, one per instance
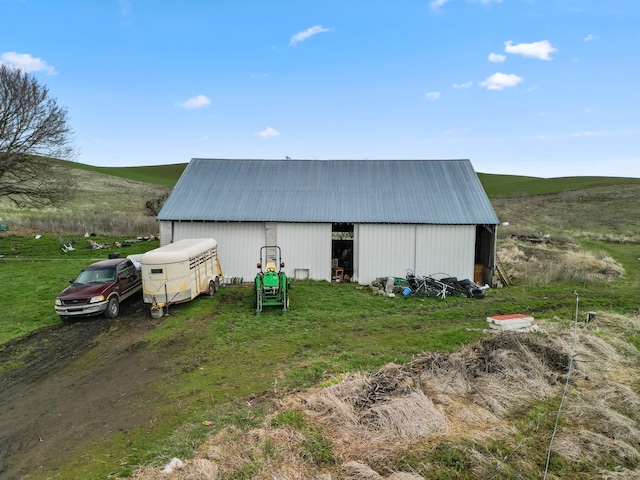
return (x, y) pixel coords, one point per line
(52, 403)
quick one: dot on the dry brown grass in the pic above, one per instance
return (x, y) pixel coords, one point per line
(102, 204)
(607, 210)
(468, 396)
(603, 214)
(526, 263)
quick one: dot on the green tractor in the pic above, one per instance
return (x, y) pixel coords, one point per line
(271, 287)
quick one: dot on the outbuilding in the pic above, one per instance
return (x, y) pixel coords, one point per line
(355, 220)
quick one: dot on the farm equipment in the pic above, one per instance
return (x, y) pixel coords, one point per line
(271, 286)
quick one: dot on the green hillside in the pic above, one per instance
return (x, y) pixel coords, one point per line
(495, 185)
(513, 185)
(164, 175)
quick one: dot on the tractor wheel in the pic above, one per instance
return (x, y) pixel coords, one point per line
(285, 299)
(259, 305)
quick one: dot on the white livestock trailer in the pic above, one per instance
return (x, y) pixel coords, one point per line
(180, 271)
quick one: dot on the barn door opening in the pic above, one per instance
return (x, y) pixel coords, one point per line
(341, 251)
(485, 254)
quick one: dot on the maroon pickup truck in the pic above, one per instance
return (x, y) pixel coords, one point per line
(99, 288)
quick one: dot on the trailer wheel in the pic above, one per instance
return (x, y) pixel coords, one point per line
(212, 288)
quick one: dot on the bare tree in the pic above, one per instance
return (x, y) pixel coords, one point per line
(34, 138)
(154, 205)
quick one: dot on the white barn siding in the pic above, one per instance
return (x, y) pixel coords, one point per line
(238, 243)
(164, 229)
(445, 250)
(384, 250)
(380, 250)
(305, 246)
(306, 249)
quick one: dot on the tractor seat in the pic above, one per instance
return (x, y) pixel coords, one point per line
(271, 267)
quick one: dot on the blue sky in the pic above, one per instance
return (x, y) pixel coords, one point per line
(546, 88)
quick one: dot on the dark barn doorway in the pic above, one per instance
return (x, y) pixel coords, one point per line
(341, 251)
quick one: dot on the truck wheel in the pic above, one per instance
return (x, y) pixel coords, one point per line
(113, 308)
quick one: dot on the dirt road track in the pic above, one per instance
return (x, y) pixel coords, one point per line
(71, 389)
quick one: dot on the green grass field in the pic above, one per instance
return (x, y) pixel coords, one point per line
(230, 353)
(34, 270)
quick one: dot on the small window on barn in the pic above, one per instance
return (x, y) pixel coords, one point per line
(156, 270)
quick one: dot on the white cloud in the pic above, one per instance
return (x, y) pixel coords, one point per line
(309, 32)
(24, 61)
(497, 58)
(500, 81)
(433, 95)
(268, 132)
(196, 102)
(540, 50)
(587, 133)
(590, 37)
(453, 131)
(435, 4)
(125, 7)
(463, 85)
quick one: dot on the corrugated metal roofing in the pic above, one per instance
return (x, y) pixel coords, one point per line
(336, 191)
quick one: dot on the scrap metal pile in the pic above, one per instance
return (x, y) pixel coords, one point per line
(430, 286)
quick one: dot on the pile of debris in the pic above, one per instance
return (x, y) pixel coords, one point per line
(533, 237)
(430, 286)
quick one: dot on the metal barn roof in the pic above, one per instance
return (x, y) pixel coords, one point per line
(332, 191)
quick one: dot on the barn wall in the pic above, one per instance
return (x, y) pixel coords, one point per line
(306, 249)
(383, 251)
(238, 244)
(380, 250)
(445, 250)
(389, 250)
(305, 246)
(164, 228)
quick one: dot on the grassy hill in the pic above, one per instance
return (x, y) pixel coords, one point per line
(164, 175)
(111, 200)
(495, 185)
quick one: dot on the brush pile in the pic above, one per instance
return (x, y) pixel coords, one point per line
(486, 411)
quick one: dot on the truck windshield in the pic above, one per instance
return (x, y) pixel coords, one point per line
(96, 275)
